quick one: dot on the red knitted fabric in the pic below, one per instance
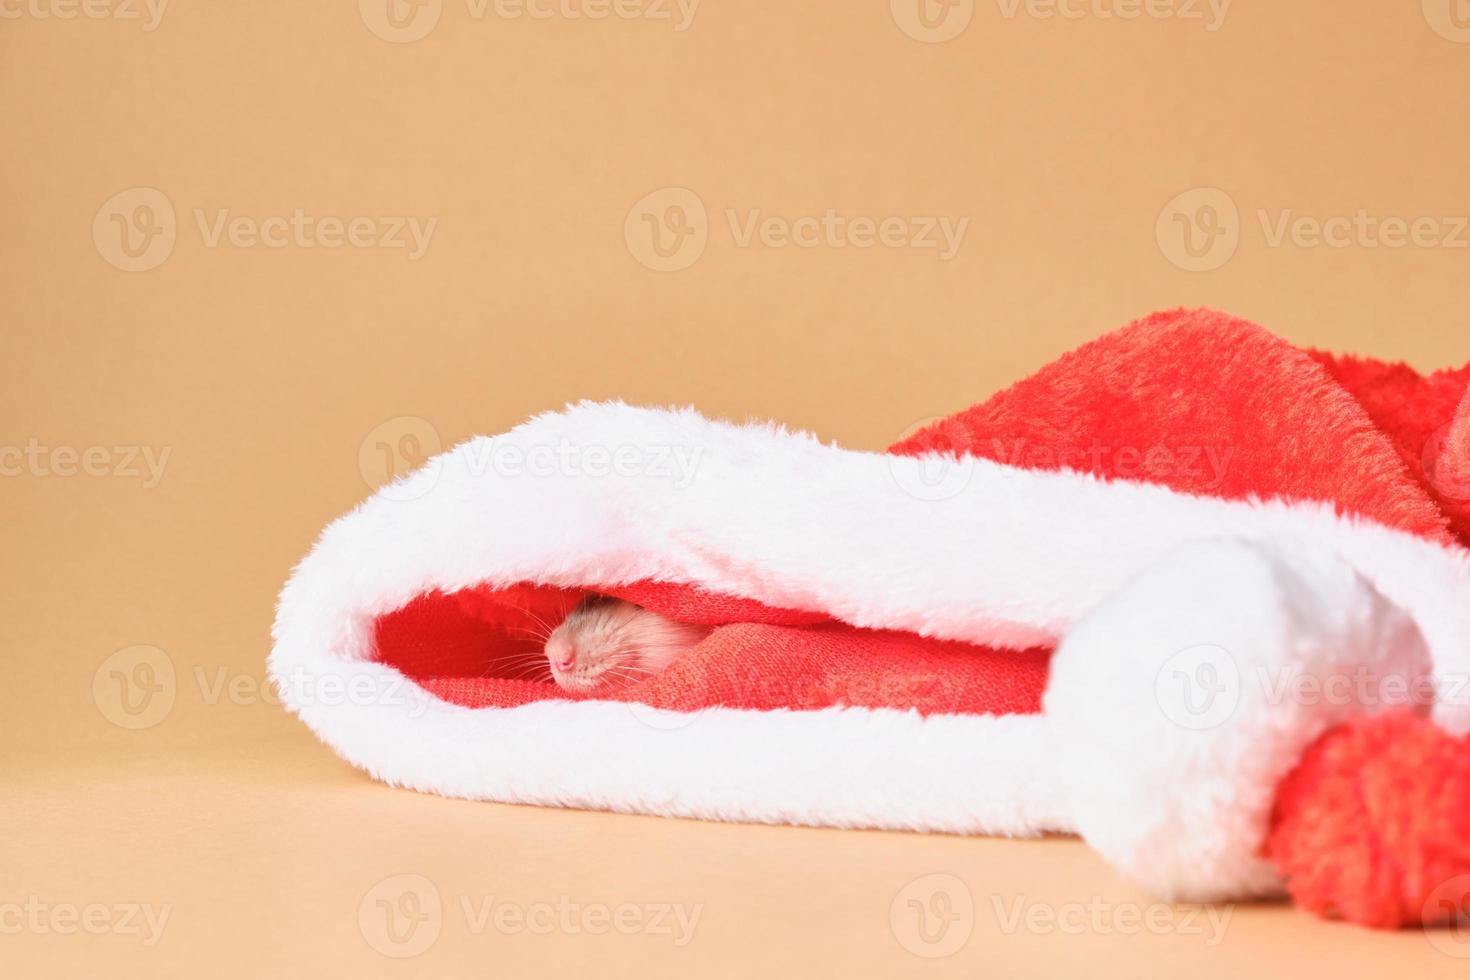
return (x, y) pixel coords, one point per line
(480, 648)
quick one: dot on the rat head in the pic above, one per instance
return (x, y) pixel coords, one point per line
(605, 644)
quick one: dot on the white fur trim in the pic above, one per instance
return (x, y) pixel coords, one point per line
(1176, 707)
(984, 553)
(841, 767)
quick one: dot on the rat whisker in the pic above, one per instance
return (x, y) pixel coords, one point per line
(538, 633)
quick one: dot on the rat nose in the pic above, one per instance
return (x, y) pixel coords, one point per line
(565, 656)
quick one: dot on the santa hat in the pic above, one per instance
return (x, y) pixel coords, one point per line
(1190, 592)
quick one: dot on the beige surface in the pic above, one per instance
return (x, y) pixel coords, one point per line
(271, 375)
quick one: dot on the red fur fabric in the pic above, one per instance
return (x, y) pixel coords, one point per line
(1211, 404)
(1373, 826)
(1428, 418)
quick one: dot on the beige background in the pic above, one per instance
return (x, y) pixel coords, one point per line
(1079, 149)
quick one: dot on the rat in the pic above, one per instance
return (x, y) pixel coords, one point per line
(605, 644)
